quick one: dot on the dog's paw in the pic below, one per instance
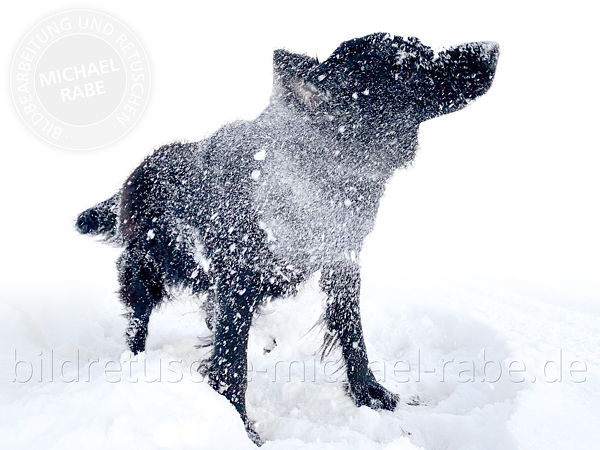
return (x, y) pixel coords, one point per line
(373, 395)
(252, 434)
(128, 356)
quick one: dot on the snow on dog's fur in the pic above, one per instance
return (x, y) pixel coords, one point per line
(255, 209)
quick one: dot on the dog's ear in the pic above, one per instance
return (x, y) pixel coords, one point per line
(289, 77)
(457, 76)
(287, 64)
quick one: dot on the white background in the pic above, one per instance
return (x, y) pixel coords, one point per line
(503, 195)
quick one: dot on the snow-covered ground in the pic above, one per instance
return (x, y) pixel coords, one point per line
(447, 348)
(481, 291)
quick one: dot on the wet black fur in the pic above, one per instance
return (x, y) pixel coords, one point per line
(365, 102)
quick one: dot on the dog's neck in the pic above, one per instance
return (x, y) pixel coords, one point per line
(376, 159)
(316, 195)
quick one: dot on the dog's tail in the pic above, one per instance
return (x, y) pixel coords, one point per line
(101, 220)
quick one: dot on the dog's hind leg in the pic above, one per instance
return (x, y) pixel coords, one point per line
(142, 288)
(341, 283)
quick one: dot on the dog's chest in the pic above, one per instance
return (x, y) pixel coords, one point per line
(313, 215)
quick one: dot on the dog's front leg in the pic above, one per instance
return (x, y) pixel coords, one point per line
(341, 283)
(237, 295)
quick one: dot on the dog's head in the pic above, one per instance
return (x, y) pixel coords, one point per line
(379, 85)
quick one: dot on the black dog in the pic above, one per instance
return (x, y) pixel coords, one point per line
(252, 211)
